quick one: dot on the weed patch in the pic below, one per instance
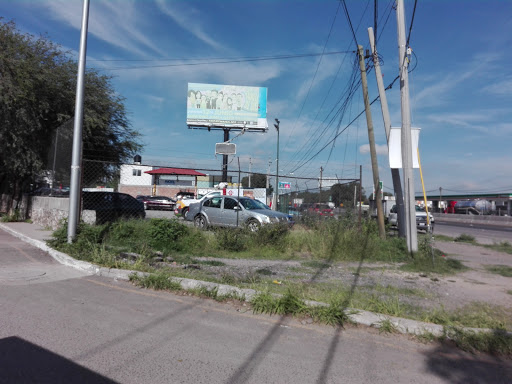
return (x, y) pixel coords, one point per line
(387, 326)
(497, 342)
(503, 246)
(502, 270)
(157, 281)
(465, 238)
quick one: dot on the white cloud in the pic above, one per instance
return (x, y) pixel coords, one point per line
(380, 149)
(118, 23)
(187, 18)
(501, 88)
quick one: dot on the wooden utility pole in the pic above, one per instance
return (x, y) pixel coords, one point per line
(409, 196)
(371, 139)
(395, 172)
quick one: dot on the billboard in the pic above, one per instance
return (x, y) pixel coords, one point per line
(231, 106)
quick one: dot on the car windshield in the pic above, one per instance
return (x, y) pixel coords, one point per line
(251, 204)
(420, 209)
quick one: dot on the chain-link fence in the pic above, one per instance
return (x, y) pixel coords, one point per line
(111, 191)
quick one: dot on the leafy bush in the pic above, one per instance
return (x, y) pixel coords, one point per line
(232, 239)
(164, 234)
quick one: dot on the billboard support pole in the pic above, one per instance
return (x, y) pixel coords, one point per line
(225, 158)
(76, 162)
(276, 205)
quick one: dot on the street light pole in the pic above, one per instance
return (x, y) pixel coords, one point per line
(276, 205)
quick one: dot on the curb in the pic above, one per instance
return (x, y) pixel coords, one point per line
(357, 316)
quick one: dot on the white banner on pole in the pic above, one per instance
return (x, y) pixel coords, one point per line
(395, 147)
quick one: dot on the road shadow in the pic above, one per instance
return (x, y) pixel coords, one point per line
(24, 362)
(459, 367)
(251, 363)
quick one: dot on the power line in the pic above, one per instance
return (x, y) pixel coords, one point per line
(412, 21)
(232, 60)
(316, 72)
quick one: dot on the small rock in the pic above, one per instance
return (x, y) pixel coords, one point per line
(191, 266)
(169, 259)
(158, 259)
(130, 255)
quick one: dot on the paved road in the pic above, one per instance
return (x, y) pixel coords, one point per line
(484, 234)
(59, 325)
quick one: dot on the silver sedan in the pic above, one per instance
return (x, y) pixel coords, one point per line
(227, 211)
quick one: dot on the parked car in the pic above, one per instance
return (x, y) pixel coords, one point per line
(182, 206)
(421, 218)
(321, 210)
(184, 195)
(111, 206)
(227, 211)
(157, 202)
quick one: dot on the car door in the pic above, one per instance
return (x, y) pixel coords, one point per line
(230, 212)
(212, 210)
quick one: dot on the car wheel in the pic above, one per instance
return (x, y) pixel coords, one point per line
(253, 225)
(184, 212)
(200, 222)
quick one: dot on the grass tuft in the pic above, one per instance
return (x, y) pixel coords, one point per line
(502, 270)
(465, 238)
(497, 342)
(158, 281)
(387, 326)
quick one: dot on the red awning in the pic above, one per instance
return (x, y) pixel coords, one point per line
(175, 171)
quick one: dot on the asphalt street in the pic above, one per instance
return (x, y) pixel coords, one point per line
(61, 325)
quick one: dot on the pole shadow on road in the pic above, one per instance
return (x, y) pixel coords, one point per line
(456, 366)
(24, 362)
(110, 344)
(246, 369)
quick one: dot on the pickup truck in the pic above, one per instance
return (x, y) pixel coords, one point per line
(421, 219)
(181, 208)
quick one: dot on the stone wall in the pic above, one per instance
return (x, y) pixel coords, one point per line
(50, 211)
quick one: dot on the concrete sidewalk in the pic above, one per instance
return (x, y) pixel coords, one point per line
(33, 231)
(36, 235)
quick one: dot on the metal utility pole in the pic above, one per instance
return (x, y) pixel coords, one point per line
(225, 158)
(268, 174)
(409, 197)
(250, 171)
(276, 205)
(76, 157)
(395, 172)
(320, 195)
(371, 139)
(440, 198)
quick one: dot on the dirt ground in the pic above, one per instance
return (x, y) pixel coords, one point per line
(451, 291)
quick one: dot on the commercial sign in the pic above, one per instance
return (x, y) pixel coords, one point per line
(233, 106)
(285, 185)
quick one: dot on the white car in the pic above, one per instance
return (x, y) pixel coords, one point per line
(421, 219)
(182, 205)
(227, 211)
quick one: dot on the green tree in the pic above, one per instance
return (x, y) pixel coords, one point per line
(37, 96)
(258, 180)
(344, 194)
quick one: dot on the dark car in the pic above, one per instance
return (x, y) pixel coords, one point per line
(111, 206)
(157, 202)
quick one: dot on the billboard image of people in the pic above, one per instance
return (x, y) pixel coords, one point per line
(226, 105)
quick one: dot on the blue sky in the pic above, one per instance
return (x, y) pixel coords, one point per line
(460, 89)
